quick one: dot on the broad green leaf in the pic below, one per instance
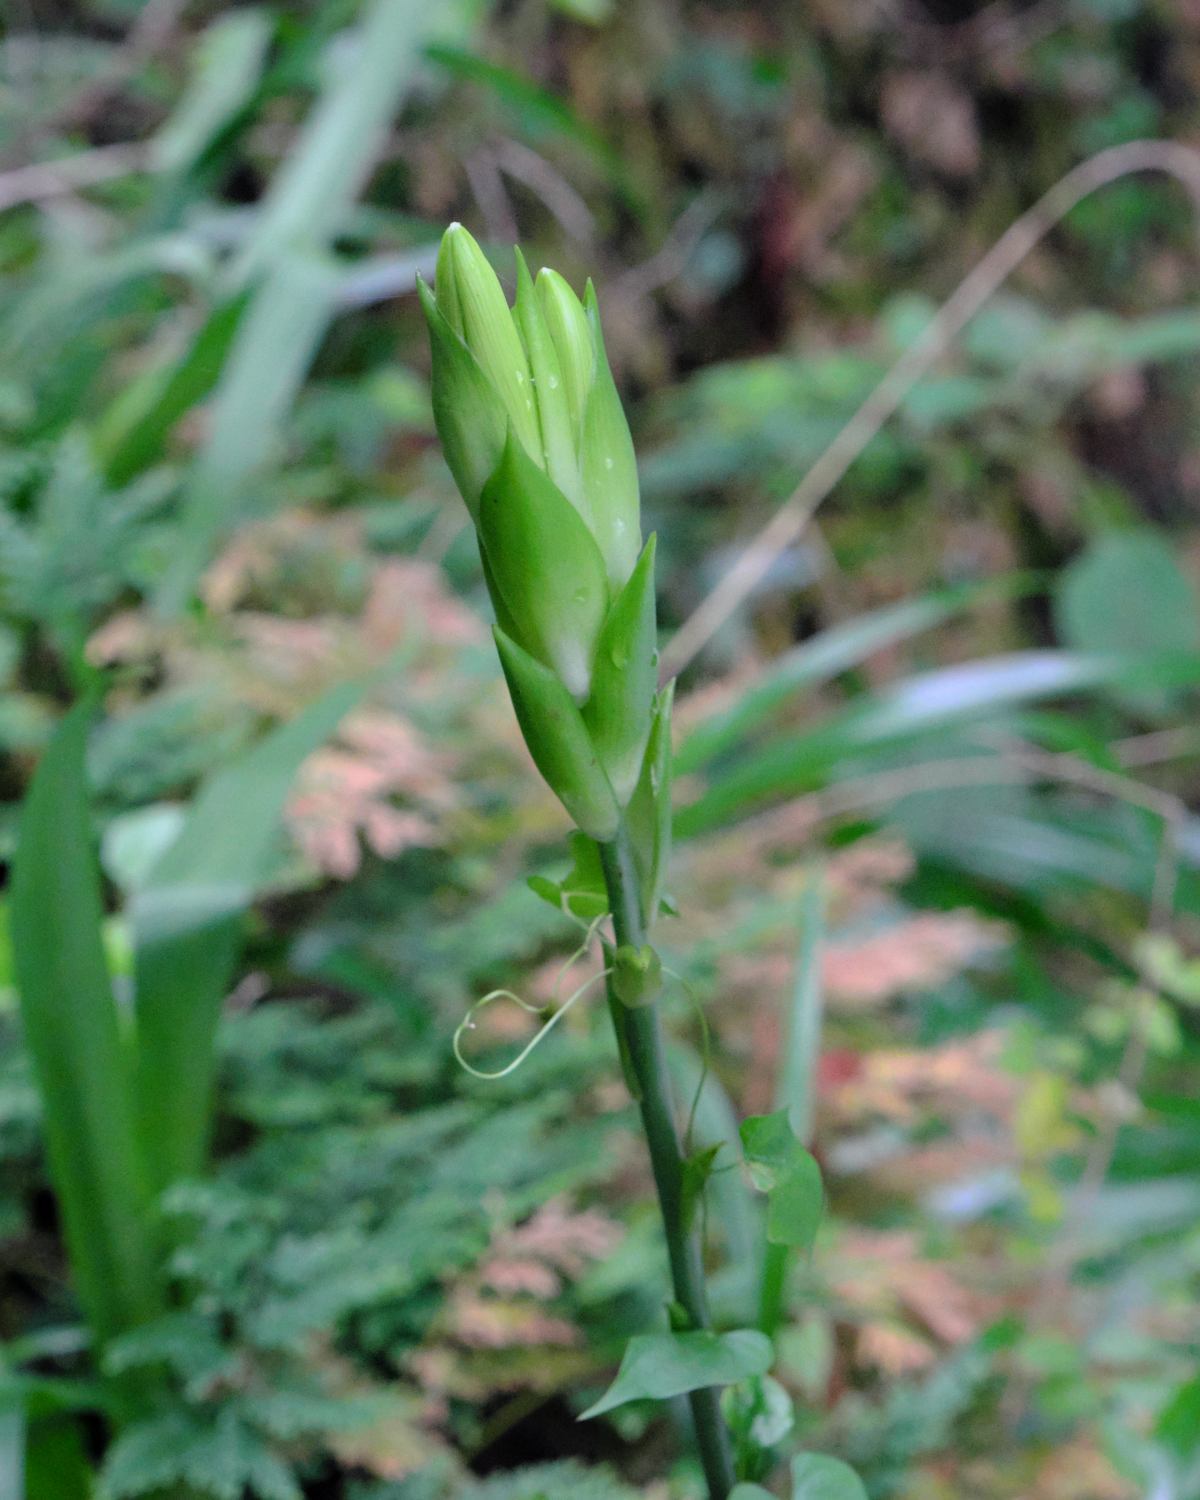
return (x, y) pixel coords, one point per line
(81, 1058)
(1128, 593)
(186, 923)
(590, 12)
(538, 112)
(780, 1167)
(750, 1492)
(658, 1366)
(1178, 1427)
(816, 1477)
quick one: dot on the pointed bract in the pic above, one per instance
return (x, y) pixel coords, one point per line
(621, 704)
(546, 566)
(649, 814)
(470, 419)
(559, 455)
(558, 740)
(609, 465)
(568, 325)
(473, 303)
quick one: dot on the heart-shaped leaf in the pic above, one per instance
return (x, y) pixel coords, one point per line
(780, 1167)
(658, 1366)
(816, 1477)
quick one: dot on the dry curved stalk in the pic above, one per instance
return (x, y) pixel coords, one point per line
(986, 277)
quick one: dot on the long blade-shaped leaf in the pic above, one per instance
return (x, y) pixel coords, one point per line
(833, 651)
(275, 341)
(80, 1057)
(920, 706)
(186, 920)
(286, 262)
(795, 1085)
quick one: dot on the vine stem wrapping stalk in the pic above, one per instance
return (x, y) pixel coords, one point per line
(640, 1035)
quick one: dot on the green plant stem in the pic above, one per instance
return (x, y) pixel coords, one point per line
(641, 1040)
(795, 1087)
(772, 1295)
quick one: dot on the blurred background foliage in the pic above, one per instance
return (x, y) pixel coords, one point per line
(937, 771)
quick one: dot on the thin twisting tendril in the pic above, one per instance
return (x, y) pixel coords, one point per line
(468, 1021)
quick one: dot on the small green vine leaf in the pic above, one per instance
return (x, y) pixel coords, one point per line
(581, 891)
(658, 1366)
(780, 1167)
(816, 1477)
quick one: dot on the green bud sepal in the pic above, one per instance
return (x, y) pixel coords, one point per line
(545, 564)
(636, 975)
(609, 464)
(470, 420)
(619, 711)
(649, 814)
(558, 740)
(473, 301)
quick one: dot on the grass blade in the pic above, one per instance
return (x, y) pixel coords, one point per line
(921, 706)
(327, 167)
(274, 345)
(81, 1059)
(187, 925)
(828, 654)
(296, 283)
(795, 1086)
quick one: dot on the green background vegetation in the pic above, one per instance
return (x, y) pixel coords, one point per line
(935, 773)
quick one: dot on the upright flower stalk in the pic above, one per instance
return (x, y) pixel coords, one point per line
(533, 431)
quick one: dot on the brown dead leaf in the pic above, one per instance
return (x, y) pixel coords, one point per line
(893, 1349)
(1077, 1470)
(501, 1323)
(958, 1077)
(914, 954)
(933, 118)
(346, 792)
